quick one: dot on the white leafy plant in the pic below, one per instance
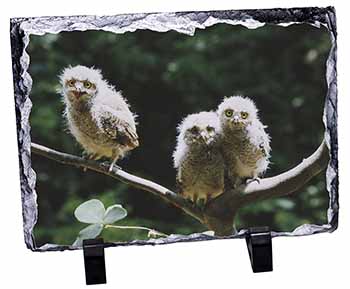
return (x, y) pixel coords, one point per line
(93, 212)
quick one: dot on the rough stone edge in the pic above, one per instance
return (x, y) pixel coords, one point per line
(183, 22)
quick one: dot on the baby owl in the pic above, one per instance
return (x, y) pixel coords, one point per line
(245, 144)
(197, 157)
(98, 116)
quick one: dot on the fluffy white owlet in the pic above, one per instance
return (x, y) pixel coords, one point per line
(197, 157)
(245, 144)
(98, 116)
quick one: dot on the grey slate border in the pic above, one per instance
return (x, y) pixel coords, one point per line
(183, 22)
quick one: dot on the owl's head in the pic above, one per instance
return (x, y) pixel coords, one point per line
(200, 128)
(236, 112)
(80, 83)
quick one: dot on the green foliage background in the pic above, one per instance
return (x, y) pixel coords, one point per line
(166, 76)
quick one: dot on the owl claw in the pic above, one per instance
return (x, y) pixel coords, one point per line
(111, 167)
(248, 181)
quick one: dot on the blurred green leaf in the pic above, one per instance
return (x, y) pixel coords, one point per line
(91, 212)
(113, 214)
(90, 232)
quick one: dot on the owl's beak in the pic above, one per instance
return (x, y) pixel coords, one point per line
(78, 93)
(235, 119)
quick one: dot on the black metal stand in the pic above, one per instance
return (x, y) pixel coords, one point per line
(259, 243)
(94, 260)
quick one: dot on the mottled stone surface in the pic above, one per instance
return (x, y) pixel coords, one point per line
(183, 22)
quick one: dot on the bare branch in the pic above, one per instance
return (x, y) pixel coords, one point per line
(219, 213)
(121, 175)
(289, 181)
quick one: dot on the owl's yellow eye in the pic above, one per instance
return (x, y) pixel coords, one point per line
(87, 84)
(71, 82)
(229, 112)
(210, 129)
(244, 115)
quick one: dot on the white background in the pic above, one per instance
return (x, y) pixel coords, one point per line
(320, 261)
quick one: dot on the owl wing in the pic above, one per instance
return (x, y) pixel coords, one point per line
(264, 141)
(114, 125)
(259, 137)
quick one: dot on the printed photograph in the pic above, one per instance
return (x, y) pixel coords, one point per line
(147, 135)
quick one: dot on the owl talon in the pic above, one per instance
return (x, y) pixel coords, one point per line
(111, 167)
(253, 180)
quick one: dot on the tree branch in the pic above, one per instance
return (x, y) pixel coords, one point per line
(219, 213)
(123, 176)
(289, 181)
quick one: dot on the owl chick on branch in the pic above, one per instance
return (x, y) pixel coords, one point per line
(97, 115)
(221, 149)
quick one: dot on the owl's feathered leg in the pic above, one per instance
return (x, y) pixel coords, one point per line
(227, 181)
(231, 181)
(194, 199)
(201, 203)
(93, 157)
